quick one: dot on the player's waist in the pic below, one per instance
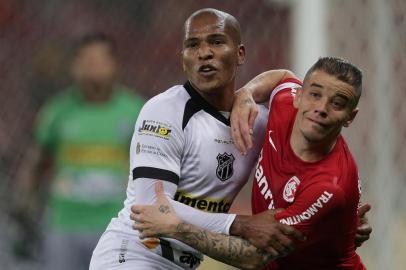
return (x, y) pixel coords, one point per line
(171, 249)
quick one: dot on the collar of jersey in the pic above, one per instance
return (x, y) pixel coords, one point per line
(204, 105)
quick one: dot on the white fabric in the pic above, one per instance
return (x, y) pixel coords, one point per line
(210, 169)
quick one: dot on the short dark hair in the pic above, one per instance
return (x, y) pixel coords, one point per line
(342, 70)
(96, 37)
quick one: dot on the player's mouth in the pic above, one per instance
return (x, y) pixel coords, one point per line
(318, 123)
(207, 70)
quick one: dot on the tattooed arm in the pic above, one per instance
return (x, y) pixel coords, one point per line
(245, 110)
(160, 220)
(231, 250)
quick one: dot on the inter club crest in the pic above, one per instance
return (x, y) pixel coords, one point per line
(225, 167)
(290, 189)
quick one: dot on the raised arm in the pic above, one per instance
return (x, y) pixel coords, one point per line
(245, 110)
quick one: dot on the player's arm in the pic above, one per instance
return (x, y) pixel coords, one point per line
(35, 173)
(160, 219)
(364, 229)
(245, 110)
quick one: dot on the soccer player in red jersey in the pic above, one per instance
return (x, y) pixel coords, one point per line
(305, 170)
(305, 167)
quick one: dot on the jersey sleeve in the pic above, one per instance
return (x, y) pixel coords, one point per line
(45, 130)
(157, 143)
(313, 204)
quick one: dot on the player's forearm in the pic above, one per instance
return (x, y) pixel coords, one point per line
(214, 222)
(262, 85)
(228, 249)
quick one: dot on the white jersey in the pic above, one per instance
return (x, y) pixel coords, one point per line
(183, 140)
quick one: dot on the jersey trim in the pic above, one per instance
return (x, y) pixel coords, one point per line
(288, 83)
(203, 105)
(190, 109)
(155, 173)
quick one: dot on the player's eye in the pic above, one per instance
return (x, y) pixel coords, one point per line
(191, 44)
(338, 104)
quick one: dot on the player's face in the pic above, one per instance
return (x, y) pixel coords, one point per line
(210, 56)
(94, 64)
(325, 104)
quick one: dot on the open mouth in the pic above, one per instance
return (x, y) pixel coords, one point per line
(207, 70)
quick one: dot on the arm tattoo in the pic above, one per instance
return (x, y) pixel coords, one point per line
(228, 249)
(164, 209)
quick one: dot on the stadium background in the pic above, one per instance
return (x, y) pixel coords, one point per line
(35, 38)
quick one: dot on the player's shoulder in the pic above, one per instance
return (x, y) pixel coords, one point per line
(167, 106)
(284, 92)
(169, 101)
(63, 101)
(126, 94)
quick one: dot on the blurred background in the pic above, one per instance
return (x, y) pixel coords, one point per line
(36, 39)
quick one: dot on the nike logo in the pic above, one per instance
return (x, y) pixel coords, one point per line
(271, 141)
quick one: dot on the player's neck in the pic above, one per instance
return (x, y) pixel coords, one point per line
(97, 93)
(310, 151)
(221, 99)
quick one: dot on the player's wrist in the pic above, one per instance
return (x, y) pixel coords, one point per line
(238, 226)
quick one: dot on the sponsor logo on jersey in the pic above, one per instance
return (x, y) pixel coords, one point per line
(225, 167)
(123, 250)
(154, 128)
(150, 149)
(290, 189)
(189, 259)
(204, 204)
(263, 183)
(309, 212)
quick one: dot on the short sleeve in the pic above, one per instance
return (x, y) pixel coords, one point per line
(312, 205)
(157, 144)
(45, 130)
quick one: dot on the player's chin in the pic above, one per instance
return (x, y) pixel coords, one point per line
(314, 136)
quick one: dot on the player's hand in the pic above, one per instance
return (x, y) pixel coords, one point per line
(243, 115)
(266, 233)
(364, 229)
(157, 219)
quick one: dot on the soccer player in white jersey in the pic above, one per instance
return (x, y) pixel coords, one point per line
(183, 138)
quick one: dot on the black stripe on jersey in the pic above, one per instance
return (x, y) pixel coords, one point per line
(167, 251)
(155, 173)
(191, 108)
(203, 104)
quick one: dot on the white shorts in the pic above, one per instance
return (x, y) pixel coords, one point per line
(118, 250)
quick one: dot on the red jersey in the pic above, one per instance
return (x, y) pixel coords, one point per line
(319, 198)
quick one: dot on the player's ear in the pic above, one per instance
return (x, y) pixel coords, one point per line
(351, 117)
(298, 97)
(241, 54)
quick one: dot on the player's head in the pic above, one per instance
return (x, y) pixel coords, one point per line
(212, 49)
(328, 100)
(94, 64)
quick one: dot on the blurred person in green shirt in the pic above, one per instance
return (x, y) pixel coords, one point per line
(82, 137)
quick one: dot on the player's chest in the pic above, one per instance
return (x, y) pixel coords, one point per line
(277, 181)
(211, 158)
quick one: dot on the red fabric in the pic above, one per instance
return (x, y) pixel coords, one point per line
(320, 199)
